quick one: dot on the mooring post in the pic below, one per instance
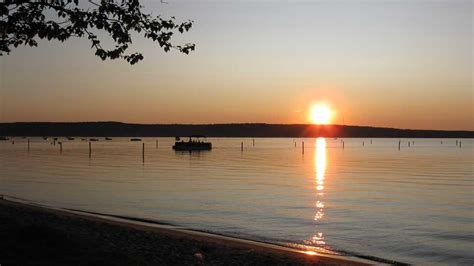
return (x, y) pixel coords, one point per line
(90, 149)
(302, 147)
(409, 143)
(342, 144)
(28, 145)
(460, 144)
(253, 142)
(371, 141)
(363, 143)
(295, 143)
(399, 142)
(143, 152)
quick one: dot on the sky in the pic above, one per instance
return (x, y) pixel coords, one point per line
(403, 64)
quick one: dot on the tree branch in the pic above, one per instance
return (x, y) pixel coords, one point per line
(23, 21)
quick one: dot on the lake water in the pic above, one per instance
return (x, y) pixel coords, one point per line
(413, 205)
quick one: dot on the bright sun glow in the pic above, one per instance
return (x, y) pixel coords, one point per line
(320, 114)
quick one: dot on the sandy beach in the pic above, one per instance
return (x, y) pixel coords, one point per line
(35, 235)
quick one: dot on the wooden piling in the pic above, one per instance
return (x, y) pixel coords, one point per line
(242, 146)
(60, 147)
(28, 145)
(253, 142)
(460, 144)
(399, 143)
(342, 144)
(456, 143)
(302, 147)
(409, 144)
(370, 141)
(90, 149)
(157, 144)
(143, 152)
(363, 143)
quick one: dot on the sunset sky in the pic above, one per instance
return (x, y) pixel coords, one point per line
(404, 64)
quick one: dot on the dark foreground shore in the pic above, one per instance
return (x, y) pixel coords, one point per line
(33, 235)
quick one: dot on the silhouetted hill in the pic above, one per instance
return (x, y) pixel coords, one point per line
(117, 129)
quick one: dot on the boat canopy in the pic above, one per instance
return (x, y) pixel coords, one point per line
(191, 136)
(197, 136)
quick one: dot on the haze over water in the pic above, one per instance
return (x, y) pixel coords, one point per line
(412, 205)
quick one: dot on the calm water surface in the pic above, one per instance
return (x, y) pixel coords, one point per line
(415, 205)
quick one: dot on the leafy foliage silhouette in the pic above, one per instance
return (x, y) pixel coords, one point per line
(22, 22)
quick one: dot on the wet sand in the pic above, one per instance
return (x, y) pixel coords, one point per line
(35, 235)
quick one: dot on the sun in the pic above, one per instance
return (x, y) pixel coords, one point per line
(320, 114)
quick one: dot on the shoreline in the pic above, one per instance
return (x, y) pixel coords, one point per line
(187, 246)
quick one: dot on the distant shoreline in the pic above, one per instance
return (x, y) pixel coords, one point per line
(118, 129)
(69, 235)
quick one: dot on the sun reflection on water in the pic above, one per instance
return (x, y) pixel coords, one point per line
(320, 164)
(320, 169)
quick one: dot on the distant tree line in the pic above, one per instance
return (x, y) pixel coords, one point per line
(116, 129)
